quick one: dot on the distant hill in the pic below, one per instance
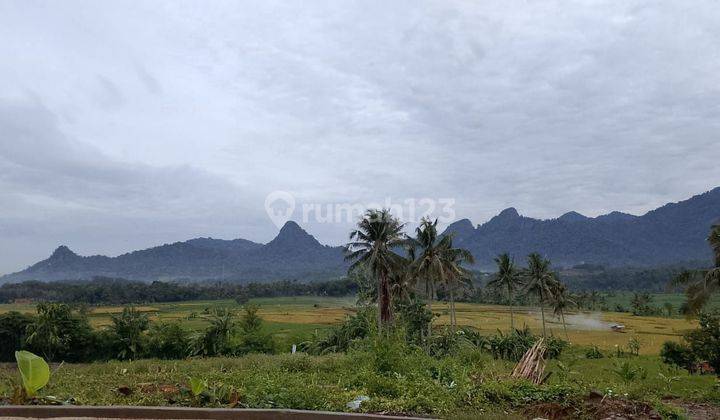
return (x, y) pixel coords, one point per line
(292, 255)
(672, 234)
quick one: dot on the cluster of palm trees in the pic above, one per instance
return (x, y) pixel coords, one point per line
(422, 263)
(402, 264)
(536, 280)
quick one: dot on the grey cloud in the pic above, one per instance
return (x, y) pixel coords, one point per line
(546, 106)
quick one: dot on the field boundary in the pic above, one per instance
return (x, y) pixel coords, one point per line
(130, 412)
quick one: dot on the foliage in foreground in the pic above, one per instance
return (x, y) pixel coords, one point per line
(397, 378)
(60, 332)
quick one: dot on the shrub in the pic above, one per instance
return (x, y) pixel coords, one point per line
(253, 339)
(215, 340)
(704, 342)
(594, 353)
(448, 342)
(127, 333)
(339, 338)
(416, 318)
(13, 331)
(168, 341)
(677, 354)
(61, 333)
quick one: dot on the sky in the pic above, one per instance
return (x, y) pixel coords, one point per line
(128, 124)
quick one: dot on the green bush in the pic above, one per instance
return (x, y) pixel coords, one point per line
(677, 354)
(594, 353)
(127, 333)
(60, 332)
(13, 332)
(704, 342)
(253, 339)
(168, 341)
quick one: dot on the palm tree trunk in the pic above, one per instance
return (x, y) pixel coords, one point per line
(384, 304)
(452, 308)
(429, 295)
(562, 315)
(542, 312)
(512, 320)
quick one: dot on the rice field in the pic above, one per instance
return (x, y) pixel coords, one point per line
(291, 318)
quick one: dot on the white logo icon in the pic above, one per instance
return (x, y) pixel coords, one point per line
(279, 206)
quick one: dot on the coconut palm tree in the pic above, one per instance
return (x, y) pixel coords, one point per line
(454, 273)
(509, 278)
(561, 300)
(539, 281)
(701, 284)
(425, 249)
(372, 245)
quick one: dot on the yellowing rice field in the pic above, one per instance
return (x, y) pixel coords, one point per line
(288, 315)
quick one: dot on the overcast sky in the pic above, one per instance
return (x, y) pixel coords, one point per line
(126, 124)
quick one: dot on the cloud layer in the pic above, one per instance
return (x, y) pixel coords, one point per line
(127, 124)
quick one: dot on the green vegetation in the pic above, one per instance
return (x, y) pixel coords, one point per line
(34, 371)
(396, 350)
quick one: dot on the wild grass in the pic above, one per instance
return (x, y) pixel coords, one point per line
(397, 378)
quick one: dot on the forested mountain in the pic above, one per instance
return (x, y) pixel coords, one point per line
(672, 234)
(292, 255)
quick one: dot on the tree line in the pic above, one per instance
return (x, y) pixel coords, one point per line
(116, 291)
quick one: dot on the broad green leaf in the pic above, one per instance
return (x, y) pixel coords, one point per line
(197, 386)
(34, 371)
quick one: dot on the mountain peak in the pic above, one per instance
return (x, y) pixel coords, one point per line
(291, 227)
(291, 235)
(509, 213)
(572, 216)
(616, 216)
(63, 252)
(460, 228)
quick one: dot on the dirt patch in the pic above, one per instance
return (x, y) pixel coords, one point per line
(595, 408)
(696, 411)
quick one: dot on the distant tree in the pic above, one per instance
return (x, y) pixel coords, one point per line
(425, 250)
(250, 321)
(540, 281)
(561, 301)
(253, 339)
(454, 272)
(508, 278)
(669, 309)
(640, 304)
(372, 245)
(701, 284)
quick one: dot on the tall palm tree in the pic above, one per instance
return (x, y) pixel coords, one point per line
(539, 281)
(701, 284)
(371, 245)
(425, 249)
(561, 301)
(509, 278)
(454, 273)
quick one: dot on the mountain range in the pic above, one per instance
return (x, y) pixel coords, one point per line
(673, 233)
